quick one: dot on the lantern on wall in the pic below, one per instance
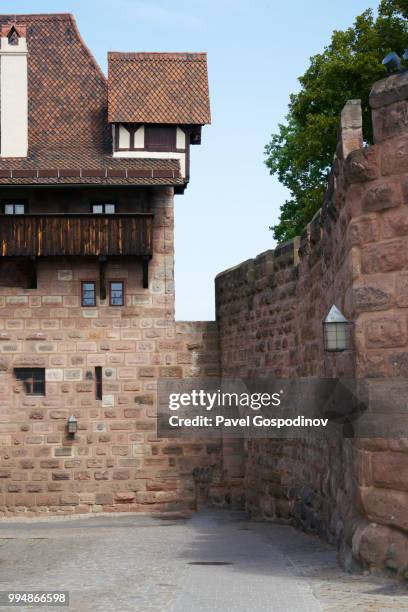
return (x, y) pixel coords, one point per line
(392, 62)
(336, 330)
(72, 426)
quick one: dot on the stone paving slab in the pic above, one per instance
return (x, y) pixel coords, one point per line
(256, 576)
(217, 561)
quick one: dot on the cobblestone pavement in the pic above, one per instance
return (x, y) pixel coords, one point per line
(217, 561)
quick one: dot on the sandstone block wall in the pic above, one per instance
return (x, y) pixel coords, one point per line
(200, 460)
(115, 462)
(380, 237)
(270, 312)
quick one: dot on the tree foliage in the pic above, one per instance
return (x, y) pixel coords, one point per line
(301, 152)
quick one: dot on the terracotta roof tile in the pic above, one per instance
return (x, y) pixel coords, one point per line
(68, 128)
(113, 172)
(158, 88)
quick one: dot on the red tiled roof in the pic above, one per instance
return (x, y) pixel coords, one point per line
(67, 115)
(112, 172)
(158, 88)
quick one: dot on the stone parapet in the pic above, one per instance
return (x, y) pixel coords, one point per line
(270, 311)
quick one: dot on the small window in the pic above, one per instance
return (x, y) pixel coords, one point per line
(104, 209)
(89, 293)
(33, 380)
(16, 208)
(98, 383)
(13, 37)
(160, 138)
(117, 293)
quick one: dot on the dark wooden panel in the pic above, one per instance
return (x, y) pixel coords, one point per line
(160, 137)
(76, 234)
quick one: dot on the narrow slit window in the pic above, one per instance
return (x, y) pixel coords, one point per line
(117, 293)
(98, 383)
(33, 380)
(89, 293)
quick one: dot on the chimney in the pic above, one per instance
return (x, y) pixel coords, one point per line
(13, 91)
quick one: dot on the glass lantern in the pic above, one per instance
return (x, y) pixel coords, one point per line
(336, 331)
(72, 426)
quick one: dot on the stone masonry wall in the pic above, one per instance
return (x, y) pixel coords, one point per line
(270, 312)
(380, 295)
(200, 460)
(115, 462)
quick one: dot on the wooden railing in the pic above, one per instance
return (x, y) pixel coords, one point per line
(47, 235)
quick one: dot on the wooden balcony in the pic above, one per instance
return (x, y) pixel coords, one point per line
(37, 235)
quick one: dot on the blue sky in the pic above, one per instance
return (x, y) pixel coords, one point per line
(256, 50)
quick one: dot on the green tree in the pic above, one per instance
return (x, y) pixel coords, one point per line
(301, 152)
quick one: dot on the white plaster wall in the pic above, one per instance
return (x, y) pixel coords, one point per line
(14, 99)
(124, 138)
(139, 138)
(155, 155)
(180, 139)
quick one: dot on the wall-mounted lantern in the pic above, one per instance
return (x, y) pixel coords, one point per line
(72, 426)
(336, 330)
(392, 62)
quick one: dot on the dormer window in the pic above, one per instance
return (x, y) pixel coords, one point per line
(13, 37)
(160, 137)
(104, 209)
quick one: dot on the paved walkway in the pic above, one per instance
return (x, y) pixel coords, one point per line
(216, 562)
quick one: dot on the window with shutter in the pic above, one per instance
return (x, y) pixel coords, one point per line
(160, 138)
